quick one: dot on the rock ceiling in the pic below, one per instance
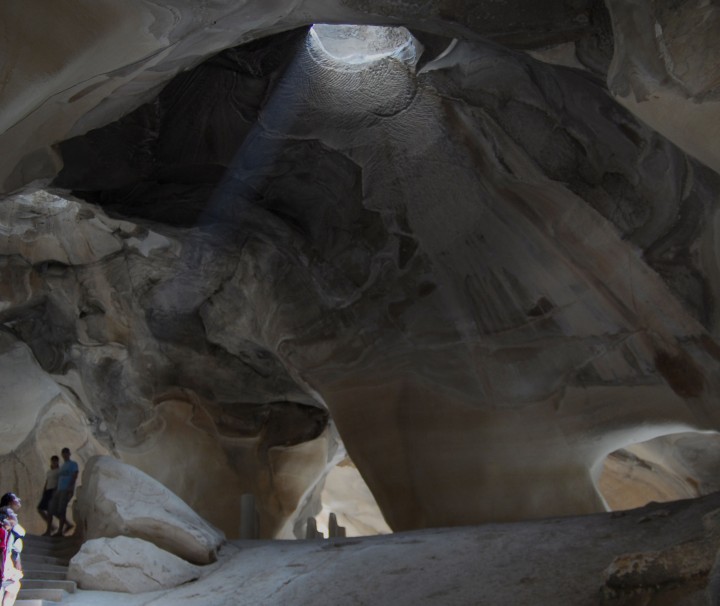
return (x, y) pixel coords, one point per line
(483, 264)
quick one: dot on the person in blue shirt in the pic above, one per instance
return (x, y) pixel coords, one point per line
(65, 489)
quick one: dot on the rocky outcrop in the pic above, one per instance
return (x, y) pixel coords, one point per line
(485, 268)
(522, 291)
(659, 49)
(647, 575)
(486, 271)
(42, 414)
(128, 565)
(97, 359)
(677, 466)
(559, 561)
(81, 72)
(666, 69)
(119, 500)
(713, 587)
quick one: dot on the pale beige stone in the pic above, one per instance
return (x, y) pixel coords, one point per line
(667, 468)
(128, 565)
(559, 561)
(346, 495)
(494, 278)
(488, 272)
(119, 500)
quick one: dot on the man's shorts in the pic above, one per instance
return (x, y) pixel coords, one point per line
(45, 501)
(59, 502)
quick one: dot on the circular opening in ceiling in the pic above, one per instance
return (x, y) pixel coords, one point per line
(358, 44)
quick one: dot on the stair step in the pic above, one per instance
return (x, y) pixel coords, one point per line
(30, 558)
(52, 549)
(32, 575)
(43, 567)
(45, 564)
(69, 586)
(34, 539)
(51, 595)
(44, 544)
(66, 553)
(42, 539)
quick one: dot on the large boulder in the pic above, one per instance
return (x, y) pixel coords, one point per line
(128, 565)
(117, 499)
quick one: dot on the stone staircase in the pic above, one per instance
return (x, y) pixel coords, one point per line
(45, 563)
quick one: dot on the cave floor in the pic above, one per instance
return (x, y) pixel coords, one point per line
(559, 561)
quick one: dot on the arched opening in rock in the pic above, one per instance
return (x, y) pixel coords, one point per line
(362, 44)
(666, 468)
(348, 496)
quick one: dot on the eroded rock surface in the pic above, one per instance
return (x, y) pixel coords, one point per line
(132, 367)
(119, 500)
(487, 270)
(448, 316)
(128, 565)
(60, 85)
(553, 561)
(645, 575)
(666, 70)
(667, 468)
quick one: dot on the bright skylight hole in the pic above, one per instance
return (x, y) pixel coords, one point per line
(357, 44)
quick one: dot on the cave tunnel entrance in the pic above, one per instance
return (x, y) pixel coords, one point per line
(347, 496)
(666, 468)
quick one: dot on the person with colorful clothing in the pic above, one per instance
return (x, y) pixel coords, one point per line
(10, 585)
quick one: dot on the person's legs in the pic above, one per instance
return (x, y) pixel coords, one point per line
(48, 530)
(53, 510)
(61, 526)
(59, 510)
(44, 505)
(10, 593)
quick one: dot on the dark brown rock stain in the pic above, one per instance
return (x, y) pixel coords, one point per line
(681, 373)
(710, 346)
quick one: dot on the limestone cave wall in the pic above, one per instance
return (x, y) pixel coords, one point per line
(478, 265)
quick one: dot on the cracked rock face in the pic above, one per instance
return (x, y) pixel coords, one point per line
(128, 565)
(116, 500)
(485, 270)
(89, 365)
